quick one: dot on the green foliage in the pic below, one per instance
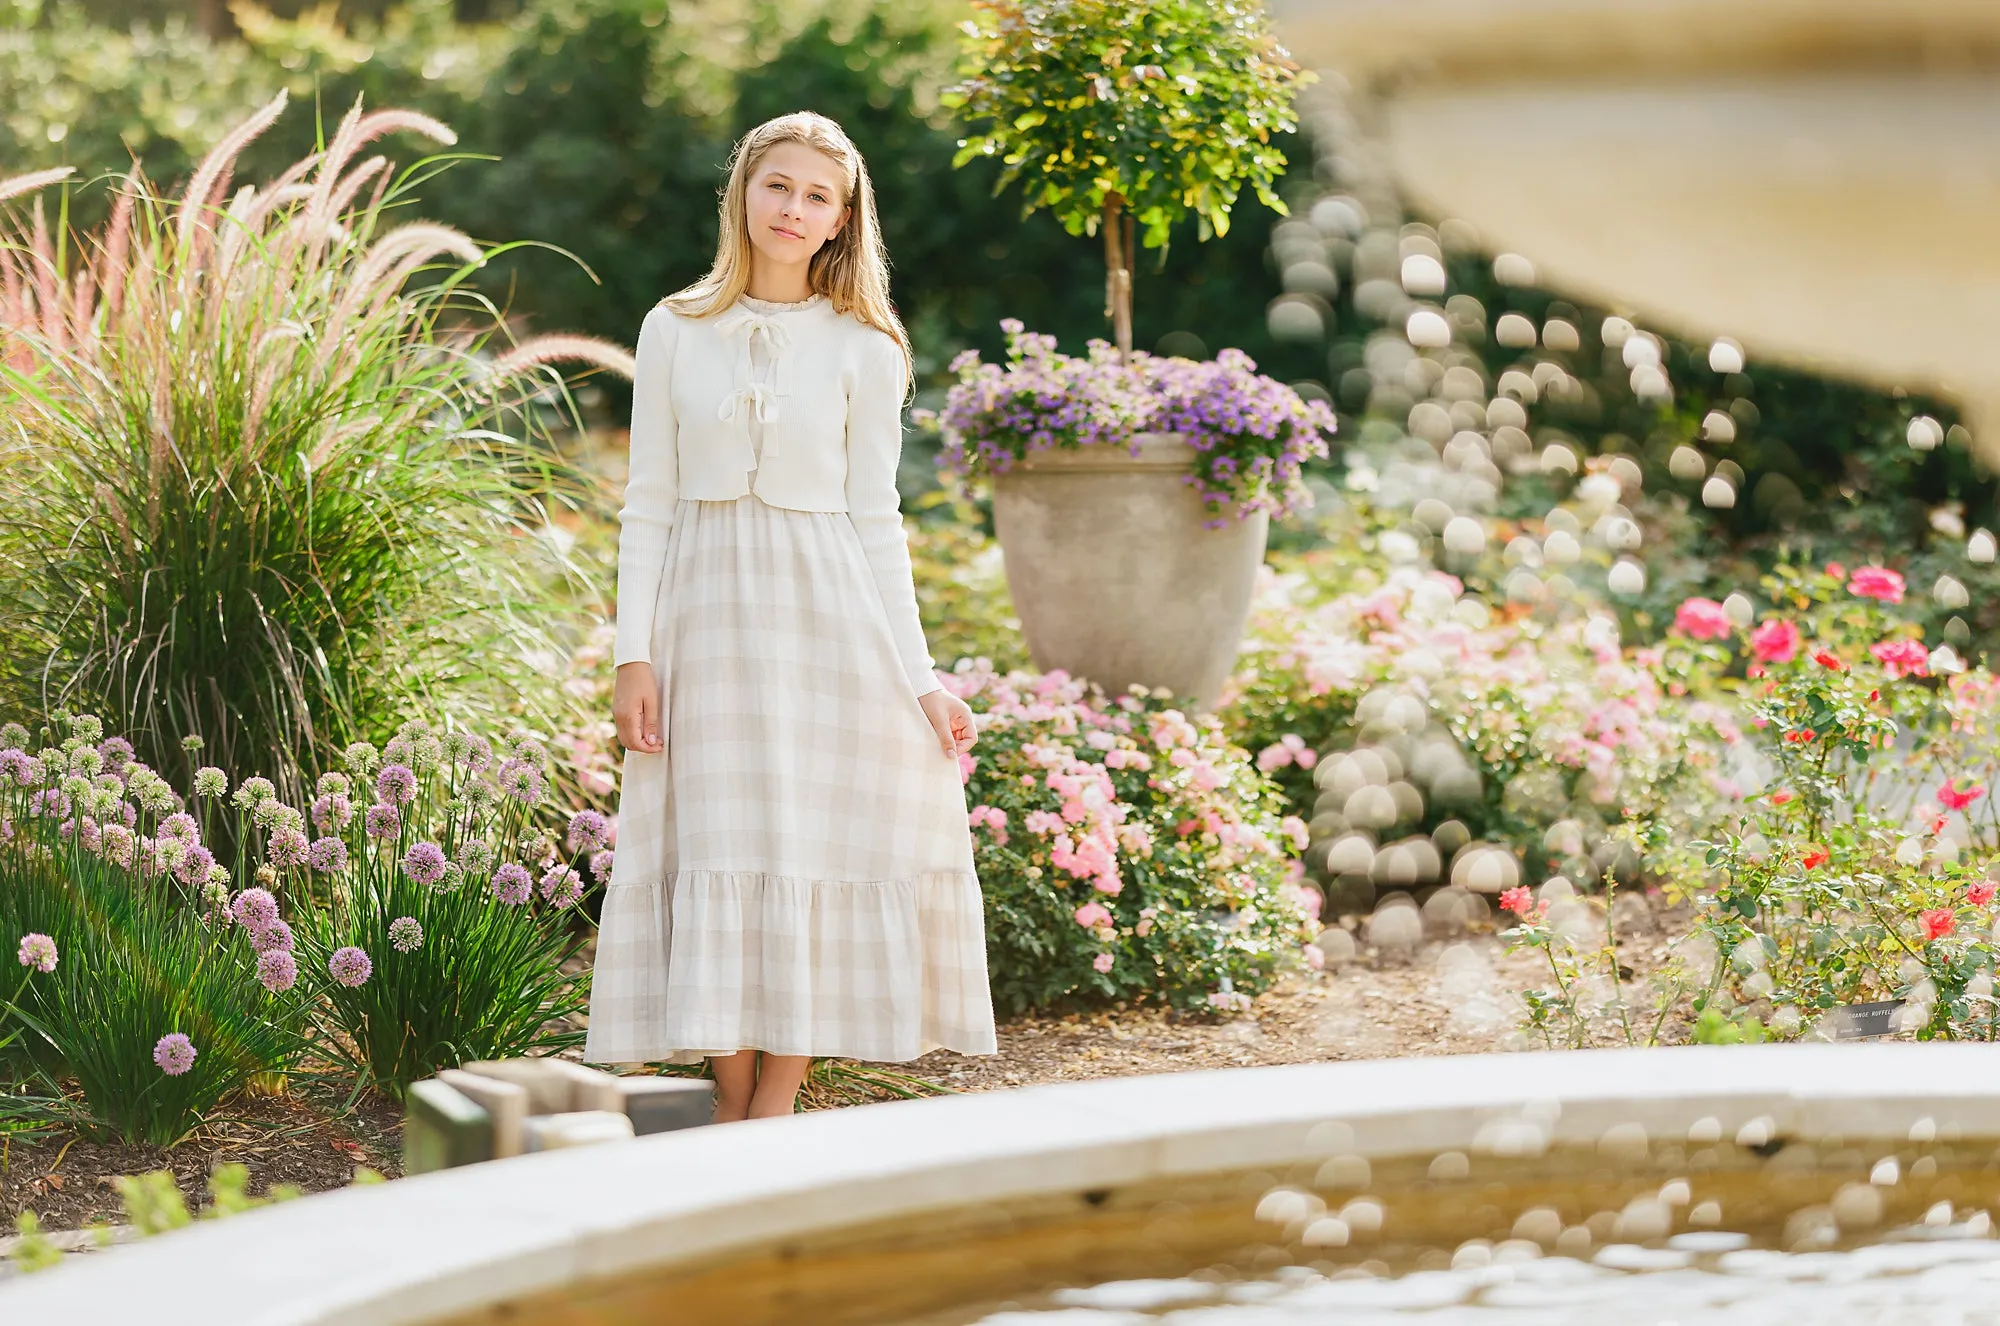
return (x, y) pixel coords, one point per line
(35, 1251)
(1168, 107)
(961, 582)
(224, 507)
(604, 138)
(486, 979)
(137, 961)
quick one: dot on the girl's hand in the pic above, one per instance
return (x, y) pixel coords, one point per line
(635, 708)
(951, 719)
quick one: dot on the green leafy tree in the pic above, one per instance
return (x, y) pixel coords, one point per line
(1114, 113)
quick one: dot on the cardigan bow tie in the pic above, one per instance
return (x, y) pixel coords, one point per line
(754, 398)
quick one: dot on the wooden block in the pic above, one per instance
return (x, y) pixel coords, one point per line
(590, 1088)
(663, 1104)
(550, 1132)
(549, 1088)
(506, 1102)
(443, 1127)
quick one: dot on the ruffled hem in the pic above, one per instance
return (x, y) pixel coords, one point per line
(715, 961)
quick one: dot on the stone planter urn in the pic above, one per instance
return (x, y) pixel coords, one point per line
(1113, 576)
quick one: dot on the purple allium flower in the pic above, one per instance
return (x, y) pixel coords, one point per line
(561, 887)
(333, 784)
(254, 909)
(14, 764)
(383, 821)
(600, 865)
(210, 782)
(51, 803)
(182, 826)
(288, 849)
(405, 934)
(90, 835)
(85, 761)
(253, 792)
(349, 966)
(38, 951)
(396, 785)
(521, 781)
(215, 896)
(194, 867)
(277, 970)
(117, 752)
(174, 1054)
(424, 863)
(361, 759)
(512, 884)
(474, 855)
(588, 831)
(273, 937)
(118, 844)
(327, 855)
(332, 812)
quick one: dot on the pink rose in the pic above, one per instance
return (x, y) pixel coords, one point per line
(1960, 793)
(1876, 582)
(1775, 641)
(1102, 962)
(1091, 915)
(1703, 619)
(1902, 658)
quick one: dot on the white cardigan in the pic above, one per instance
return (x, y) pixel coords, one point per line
(832, 436)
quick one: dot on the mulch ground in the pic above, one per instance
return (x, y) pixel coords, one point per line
(67, 1179)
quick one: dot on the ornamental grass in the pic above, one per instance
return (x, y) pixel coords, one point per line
(257, 484)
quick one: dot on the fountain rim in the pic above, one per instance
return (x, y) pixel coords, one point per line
(457, 1241)
(1456, 42)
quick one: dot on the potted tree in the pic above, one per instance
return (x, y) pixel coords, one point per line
(1133, 562)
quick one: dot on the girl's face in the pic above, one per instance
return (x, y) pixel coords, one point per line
(795, 202)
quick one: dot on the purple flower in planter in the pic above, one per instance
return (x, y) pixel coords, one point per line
(350, 966)
(38, 951)
(174, 1053)
(512, 884)
(277, 970)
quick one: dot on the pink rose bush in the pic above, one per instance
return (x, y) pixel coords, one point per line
(265, 931)
(1872, 832)
(1126, 850)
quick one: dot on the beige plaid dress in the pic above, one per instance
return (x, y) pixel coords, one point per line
(794, 871)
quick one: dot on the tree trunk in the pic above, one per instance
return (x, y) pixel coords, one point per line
(214, 20)
(1118, 273)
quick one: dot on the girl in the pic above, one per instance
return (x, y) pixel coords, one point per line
(794, 871)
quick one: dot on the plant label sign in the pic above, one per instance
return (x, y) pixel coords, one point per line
(1858, 1022)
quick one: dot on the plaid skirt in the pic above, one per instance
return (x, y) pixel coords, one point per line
(794, 870)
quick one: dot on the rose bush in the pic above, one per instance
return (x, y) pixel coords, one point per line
(1126, 850)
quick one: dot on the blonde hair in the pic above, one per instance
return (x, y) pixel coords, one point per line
(851, 269)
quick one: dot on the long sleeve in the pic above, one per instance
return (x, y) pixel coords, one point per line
(651, 489)
(874, 446)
